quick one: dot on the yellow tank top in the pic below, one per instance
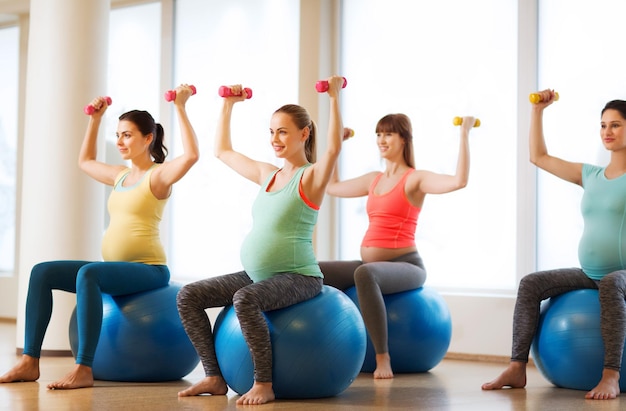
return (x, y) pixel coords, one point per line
(133, 232)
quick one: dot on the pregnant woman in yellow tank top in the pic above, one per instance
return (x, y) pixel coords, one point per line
(134, 259)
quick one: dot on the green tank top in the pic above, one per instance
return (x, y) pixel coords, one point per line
(281, 238)
(602, 247)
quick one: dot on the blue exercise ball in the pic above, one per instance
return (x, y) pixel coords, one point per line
(142, 338)
(419, 330)
(568, 349)
(318, 347)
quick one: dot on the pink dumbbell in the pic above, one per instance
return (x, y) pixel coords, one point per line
(322, 85)
(90, 109)
(225, 91)
(170, 95)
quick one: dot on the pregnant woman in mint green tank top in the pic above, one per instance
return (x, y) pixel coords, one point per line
(280, 268)
(601, 250)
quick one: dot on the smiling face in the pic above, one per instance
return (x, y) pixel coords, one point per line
(390, 145)
(394, 136)
(130, 142)
(285, 137)
(613, 130)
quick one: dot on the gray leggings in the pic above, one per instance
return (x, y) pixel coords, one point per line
(539, 286)
(249, 300)
(372, 281)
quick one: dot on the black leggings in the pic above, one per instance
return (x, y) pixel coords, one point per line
(539, 286)
(249, 300)
(372, 281)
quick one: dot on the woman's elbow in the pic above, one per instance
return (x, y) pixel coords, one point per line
(194, 157)
(331, 190)
(459, 183)
(333, 152)
(538, 158)
(83, 164)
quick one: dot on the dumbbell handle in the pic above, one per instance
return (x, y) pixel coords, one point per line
(322, 85)
(226, 91)
(536, 97)
(170, 95)
(457, 121)
(90, 109)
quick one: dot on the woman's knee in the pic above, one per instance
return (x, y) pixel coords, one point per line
(616, 279)
(530, 282)
(613, 284)
(87, 275)
(185, 296)
(38, 272)
(246, 305)
(363, 276)
(243, 298)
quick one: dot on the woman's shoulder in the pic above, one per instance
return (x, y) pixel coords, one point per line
(120, 174)
(588, 170)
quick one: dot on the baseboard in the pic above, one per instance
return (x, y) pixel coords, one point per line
(481, 358)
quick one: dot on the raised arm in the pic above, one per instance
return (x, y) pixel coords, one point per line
(87, 156)
(539, 156)
(354, 187)
(316, 181)
(433, 183)
(171, 171)
(253, 170)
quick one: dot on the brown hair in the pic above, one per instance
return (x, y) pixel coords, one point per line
(146, 125)
(617, 105)
(301, 119)
(401, 124)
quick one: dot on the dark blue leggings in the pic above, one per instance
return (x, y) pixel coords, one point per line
(88, 280)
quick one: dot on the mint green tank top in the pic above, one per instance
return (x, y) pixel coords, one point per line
(281, 239)
(602, 247)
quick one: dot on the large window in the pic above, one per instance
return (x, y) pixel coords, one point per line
(9, 55)
(586, 67)
(433, 61)
(430, 60)
(134, 60)
(219, 43)
(134, 69)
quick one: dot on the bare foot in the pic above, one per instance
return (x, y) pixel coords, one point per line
(514, 376)
(80, 377)
(383, 366)
(260, 393)
(607, 388)
(214, 385)
(27, 369)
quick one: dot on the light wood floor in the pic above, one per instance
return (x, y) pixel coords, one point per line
(452, 385)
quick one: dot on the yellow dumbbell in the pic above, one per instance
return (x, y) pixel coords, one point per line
(536, 97)
(457, 121)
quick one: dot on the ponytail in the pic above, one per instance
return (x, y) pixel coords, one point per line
(146, 125)
(158, 151)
